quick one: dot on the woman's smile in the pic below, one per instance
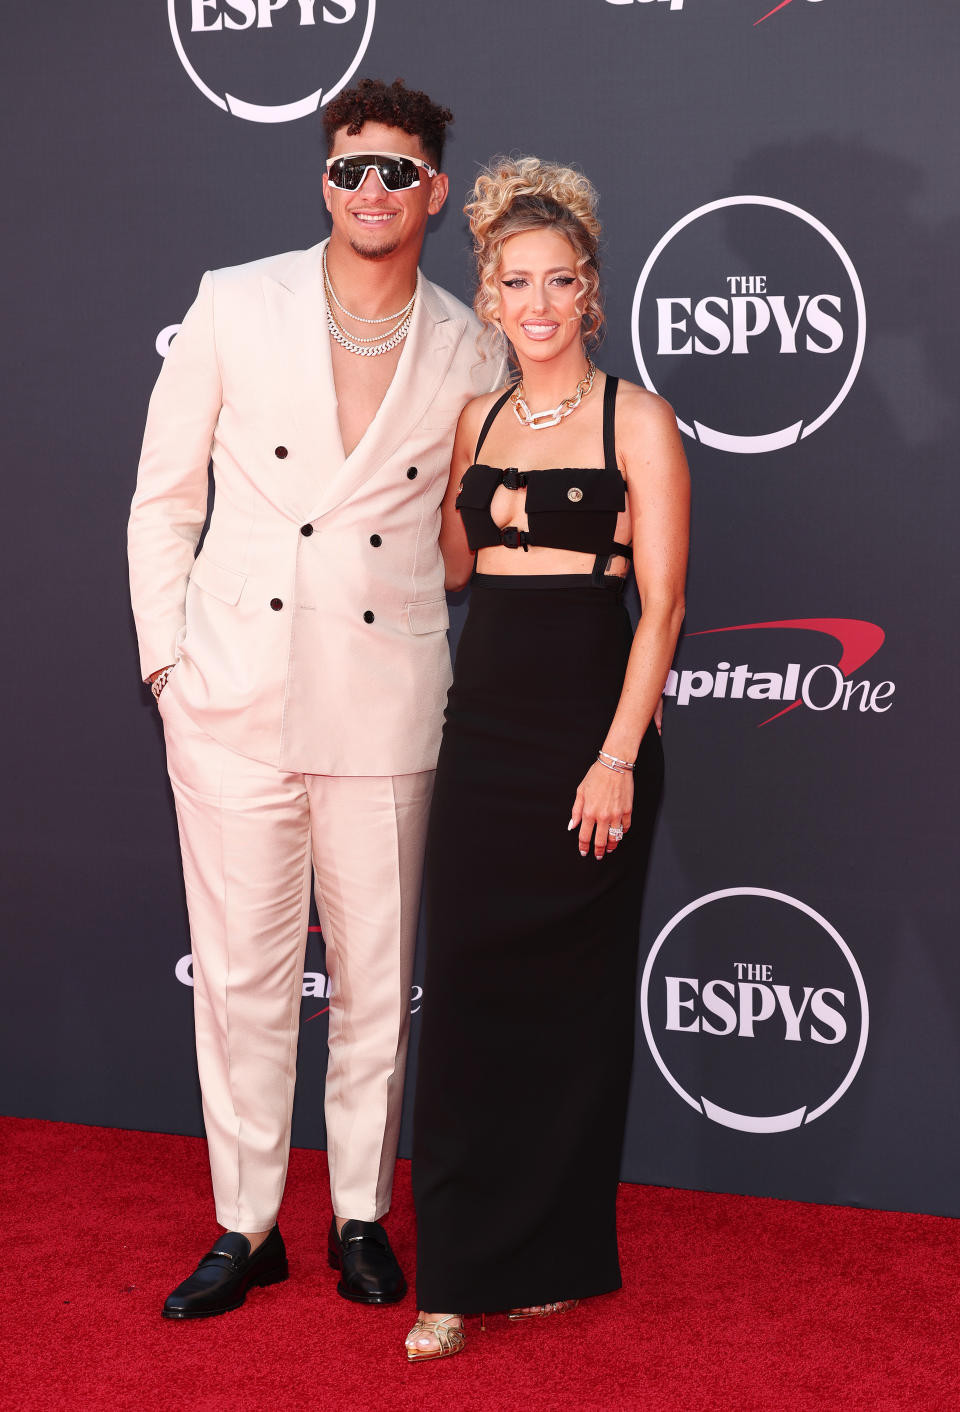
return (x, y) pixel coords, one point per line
(539, 328)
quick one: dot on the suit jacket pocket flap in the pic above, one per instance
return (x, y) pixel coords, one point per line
(428, 617)
(225, 584)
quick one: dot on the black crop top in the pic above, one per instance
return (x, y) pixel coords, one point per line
(567, 507)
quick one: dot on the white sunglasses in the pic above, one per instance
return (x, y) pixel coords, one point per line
(396, 171)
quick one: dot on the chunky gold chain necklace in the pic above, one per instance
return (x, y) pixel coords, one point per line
(392, 340)
(359, 339)
(538, 421)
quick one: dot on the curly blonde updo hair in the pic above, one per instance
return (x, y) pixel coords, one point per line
(516, 194)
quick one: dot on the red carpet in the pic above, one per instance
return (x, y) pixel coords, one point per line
(728, 1303)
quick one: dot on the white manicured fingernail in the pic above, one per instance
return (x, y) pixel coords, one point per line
(572, 825)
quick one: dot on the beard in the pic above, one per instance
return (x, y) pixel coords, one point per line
(374, 252)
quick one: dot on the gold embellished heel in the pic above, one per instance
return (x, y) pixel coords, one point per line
(450, 1339)
(542, 1311)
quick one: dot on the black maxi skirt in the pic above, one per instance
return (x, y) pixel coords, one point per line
(529, 994)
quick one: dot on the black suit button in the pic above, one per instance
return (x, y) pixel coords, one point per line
(376, 541)
(306, 531)
(276, 604)
(368, 616)
(412, 473)
(281, 453)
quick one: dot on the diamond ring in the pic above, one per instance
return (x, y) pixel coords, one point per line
(616, 834)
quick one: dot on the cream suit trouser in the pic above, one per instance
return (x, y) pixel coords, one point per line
(251, 835)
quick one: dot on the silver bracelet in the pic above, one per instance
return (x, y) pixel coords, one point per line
(614, 768)
(614, 763)
(160, 680)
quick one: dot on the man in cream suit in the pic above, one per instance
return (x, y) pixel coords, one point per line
(300, 665)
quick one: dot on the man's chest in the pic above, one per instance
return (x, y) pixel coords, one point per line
(361, 385)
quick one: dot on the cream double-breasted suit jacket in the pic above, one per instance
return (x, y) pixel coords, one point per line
(310, 628)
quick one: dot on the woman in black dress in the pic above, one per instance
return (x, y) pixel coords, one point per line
(547, 785)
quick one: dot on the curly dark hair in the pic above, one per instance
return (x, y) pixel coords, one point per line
(394, 105)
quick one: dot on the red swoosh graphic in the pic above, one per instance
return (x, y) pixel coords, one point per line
(858, 639)
(770, 12)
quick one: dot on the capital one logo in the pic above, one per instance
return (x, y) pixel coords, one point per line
(749, 318)
(270, 61)
(674, 4)
(782, 6)
(678, 5)
(314, 987)
(754, 1009)
(780, 683)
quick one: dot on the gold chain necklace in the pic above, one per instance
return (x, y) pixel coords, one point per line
(390, 341)
(383, 342)
(358, 318)
(538, 421)
(361, 339)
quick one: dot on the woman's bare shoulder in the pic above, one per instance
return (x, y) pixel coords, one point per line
(642, 408)
(478, 407)
(648, 437)
(474, 414)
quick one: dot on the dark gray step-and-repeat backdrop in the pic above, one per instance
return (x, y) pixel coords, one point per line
(780, 201)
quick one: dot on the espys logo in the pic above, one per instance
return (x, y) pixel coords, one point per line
(815, 684)
(754, 1009)
(270, 61)
(749, 318)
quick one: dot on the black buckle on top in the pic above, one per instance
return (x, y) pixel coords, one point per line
(513, 479)
(514, 538)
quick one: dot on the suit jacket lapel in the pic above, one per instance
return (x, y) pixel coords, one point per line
(296, 310)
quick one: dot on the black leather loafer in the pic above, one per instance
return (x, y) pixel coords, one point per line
(221, 1280)
(369, 1273)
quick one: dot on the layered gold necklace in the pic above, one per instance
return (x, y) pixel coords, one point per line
(355, 343)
